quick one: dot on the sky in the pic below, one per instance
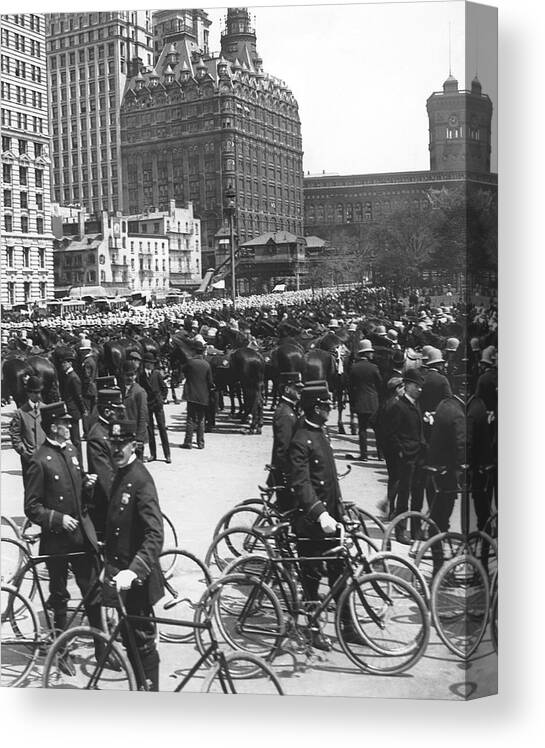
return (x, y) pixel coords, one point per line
(362, 73)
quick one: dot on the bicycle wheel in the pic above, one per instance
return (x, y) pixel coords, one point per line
(20, 637)
(272, 573)
(460, 604)
(184, 587)
(79, 645)
(484, 547)
(248, 615)
(170, 541)
(421, 528)
(437, 550)
(229, 675)
(31, 535)
(9, 528)
(391, 619)
(494, 613)
(398, 566)
(243, 516)
(17, 569)
(368, 524)
(233, 543)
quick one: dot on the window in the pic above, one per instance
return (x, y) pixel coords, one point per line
(7, 198)
(23, 197)
(42, 290)
(26, 290)
(26, 257)
(8, 223)
(11, 292)
(40, 225)
(23, 175)
(6, 143)
(24, 224)
(38, 176)
(41, 256)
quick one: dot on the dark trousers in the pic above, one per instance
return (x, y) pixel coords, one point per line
(441, 510)
(196, 414)
(86, 574)
(211, 408)
(159, 415)
(365, 421)
(142, 636)
(411, 483)
(75, 437)
(481, 492)
(392, 466)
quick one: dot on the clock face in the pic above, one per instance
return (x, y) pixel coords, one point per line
(453, 120)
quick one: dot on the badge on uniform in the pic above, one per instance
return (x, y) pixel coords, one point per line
(125, 498)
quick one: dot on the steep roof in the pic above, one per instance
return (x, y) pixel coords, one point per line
(278, 237)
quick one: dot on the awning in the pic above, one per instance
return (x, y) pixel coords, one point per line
(279, 287)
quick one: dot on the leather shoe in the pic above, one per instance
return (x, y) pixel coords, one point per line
(65, 663)
(319, 641)
(200, 446)
(168, 460)
(186, 446)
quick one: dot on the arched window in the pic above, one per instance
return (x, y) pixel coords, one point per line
(339, 213)
(349, 213)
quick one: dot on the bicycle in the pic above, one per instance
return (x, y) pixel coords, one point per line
(257, 613)
(229, 673)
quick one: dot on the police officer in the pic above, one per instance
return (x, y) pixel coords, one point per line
(71, 393)
(99, 454)
(284, 424)
(88, 368)
(55, 499)
(133, 543)
(316, 493)
(152, 381)
(365, 384)
(197, 390)
(136, 405)
(25, 429)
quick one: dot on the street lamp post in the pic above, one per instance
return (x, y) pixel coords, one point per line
(230, 212)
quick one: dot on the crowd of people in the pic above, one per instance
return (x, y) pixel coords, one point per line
(423, 378)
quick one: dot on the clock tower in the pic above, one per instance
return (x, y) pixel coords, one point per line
(460, 128)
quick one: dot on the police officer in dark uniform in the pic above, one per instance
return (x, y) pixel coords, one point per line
(88, 369)
(316, 492)
(99, 454)
(71, 393)
(284, 424)
(152, 381)
(133, 542)
(136, 405)
(55, 499)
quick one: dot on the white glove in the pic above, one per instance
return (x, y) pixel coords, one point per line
(124, 579)
(327, 523)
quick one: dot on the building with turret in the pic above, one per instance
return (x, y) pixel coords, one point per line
(201, 124)
(340, 209)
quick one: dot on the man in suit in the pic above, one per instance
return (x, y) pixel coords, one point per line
(88, 369)
(406, 430)
(133, 543)
(55, 499)
(136, 405)
(197, 388)
(25, 429)
(364, 383)
(99, 455)
(152, 381)
(316, 493)
(395, 389)
(71, 393)
(435, 387)
(284, 424)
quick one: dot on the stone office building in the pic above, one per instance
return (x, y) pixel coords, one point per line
(26, 241)
(201, 123)
(341, 208)
(89, 56)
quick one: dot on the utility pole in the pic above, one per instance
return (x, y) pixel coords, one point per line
(229, 210)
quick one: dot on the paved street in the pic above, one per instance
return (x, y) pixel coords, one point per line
(200, 485)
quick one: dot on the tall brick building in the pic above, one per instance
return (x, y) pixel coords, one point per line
(26, 241)
(201, 122)
(340, 208)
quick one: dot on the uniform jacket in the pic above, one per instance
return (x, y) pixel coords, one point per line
(365, 383)
(313, 478)
(284, 425)
(405, 427)
(435, 388)
(55, 487)
(134, 529)
(136, 407)
(26, 431)
(487, 388)
(448, 434)
(480, 444)
(100, 462)
(71, 393)
(198, 381)
(88, 376)
(156, 389)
